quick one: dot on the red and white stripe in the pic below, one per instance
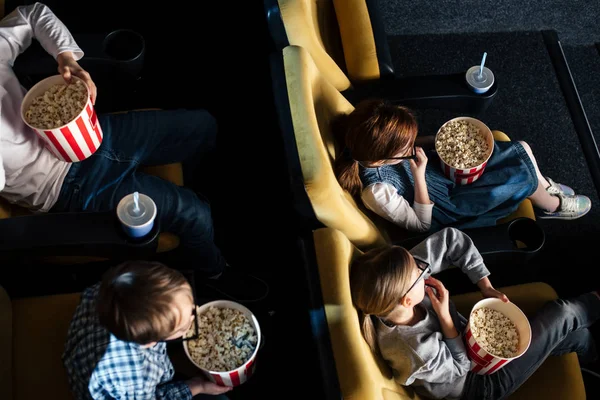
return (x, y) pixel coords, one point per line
(482, 362)
(76, 141)
(463, 176)
(234, 378)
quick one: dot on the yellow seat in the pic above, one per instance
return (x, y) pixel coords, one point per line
(344, 37)
(364, 376)
(306, 111)
(33, 332)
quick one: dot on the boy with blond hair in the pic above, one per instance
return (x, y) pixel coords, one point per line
(116, 344)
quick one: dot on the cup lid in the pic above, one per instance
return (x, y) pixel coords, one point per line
(136, 217)
(484, 81)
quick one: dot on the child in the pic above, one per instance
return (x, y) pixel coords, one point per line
(30, 176)
(116, 342)
(381, 164)
(421, 336)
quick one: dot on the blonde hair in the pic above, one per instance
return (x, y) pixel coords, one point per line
(136, 301)
(374, 131)
(378, 280)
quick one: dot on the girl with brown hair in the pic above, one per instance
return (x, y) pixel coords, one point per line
(381, 164)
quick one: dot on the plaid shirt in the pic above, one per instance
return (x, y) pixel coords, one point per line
(100, 366)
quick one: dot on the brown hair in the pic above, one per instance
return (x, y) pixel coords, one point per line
(378, 280)
(136, 301)
(374, 131)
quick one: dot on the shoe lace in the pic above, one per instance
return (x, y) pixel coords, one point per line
(568, 203)
(554, 188)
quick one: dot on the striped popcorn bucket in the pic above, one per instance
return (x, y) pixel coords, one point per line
(241, 374)
(74, 141)
(468, 175)
(484, 363)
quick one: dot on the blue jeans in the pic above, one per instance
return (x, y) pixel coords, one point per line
(559, 327)
(150, 138)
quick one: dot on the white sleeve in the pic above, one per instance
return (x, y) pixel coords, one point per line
(384, 200)
(37, 21)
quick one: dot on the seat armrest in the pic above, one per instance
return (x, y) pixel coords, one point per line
(72, 234)
(449, 92)
(514, 242)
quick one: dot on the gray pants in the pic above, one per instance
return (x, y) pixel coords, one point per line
(558, 328)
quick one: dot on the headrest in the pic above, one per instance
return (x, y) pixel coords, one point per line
(312, 24)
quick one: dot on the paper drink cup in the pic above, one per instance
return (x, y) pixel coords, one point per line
(241, 374)
(484, 363)
(479, 83)
(74, 141)
(136, 224)
(465, 176)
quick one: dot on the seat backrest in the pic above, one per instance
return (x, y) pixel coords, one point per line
(361, 374)
(40, 326)
(365, 43)
(345, 38)
(6, 377)
(311, 104)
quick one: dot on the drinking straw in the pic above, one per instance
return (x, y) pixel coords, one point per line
(482, 62)
(136, 204)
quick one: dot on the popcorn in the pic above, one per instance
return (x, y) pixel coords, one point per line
(461, 145)
(58, 106)
(496, 333)
(227, 339)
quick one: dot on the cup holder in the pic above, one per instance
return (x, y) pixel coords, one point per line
(526, 235)
(516, 241)
(126, 48)
(124, 45)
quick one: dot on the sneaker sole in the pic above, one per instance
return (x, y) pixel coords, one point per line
(561, 217)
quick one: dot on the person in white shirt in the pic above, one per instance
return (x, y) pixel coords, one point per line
(380, 163)
(32, 177)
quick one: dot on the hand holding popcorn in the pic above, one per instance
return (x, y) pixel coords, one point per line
(67, 66)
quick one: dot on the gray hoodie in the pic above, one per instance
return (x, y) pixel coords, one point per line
(420, 355)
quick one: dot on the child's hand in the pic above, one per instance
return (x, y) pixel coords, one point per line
(439, 300)
(67, 67)
(487, 290)
(200, 385)
(491, 292)
(417, 167)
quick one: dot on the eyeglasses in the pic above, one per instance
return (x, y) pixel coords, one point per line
(425, 270)
(413, 156)
(190, 276)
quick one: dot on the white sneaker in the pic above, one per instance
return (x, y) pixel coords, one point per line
(570, 207)
(556, 188)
